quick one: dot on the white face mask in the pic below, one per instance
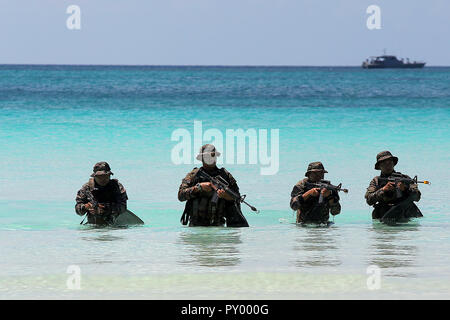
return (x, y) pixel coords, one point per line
(209, 159)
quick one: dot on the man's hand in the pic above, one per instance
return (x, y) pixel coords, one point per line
(390, 186)
(401, 186)
(206, 186)
(101, 209)
(387, 197)
(89, 207)
(325, 193)
(314, 192)
(224, 195)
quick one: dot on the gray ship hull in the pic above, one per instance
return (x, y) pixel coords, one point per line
(404, 66)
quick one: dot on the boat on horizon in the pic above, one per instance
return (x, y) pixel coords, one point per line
(390, 61)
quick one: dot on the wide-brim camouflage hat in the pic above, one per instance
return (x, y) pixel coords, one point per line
(384, 155)
(207, 150)
(101, 168)
(315, 167)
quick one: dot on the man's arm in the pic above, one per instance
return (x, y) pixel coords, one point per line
(122, 207)
(187, 188)
(81, 200)
(373, 193)
(297, 196)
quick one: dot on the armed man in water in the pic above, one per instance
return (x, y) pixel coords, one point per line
(314, 198)
(392, 193)
(212, 194)
(102, 199)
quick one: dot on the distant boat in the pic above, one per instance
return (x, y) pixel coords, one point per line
(385, 61)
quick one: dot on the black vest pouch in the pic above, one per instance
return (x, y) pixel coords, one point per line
(203, 207)
(413, 211)
(379, 210)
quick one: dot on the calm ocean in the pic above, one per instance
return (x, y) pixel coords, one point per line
(57, 121)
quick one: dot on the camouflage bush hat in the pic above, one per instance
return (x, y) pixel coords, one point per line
(207, 150)
(315, 166)
(384, 155)
(101, 168)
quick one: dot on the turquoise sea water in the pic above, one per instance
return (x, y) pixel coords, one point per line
(57, 121)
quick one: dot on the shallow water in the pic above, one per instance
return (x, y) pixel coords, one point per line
(56, 122)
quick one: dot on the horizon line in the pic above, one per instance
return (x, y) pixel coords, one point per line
(193, 65)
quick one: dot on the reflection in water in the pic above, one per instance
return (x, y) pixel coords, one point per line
(210, 246)
(103, 237)
(316, 246)
(99, 238)
(393, 247)
(100, 234)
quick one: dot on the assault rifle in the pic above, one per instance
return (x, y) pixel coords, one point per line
(325, 184)
(221, 184)
(397, 177)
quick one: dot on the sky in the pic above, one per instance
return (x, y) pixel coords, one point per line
(222, 32)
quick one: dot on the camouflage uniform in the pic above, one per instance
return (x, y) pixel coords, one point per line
(383, 201)
(200, 210)
(309, 210)
(113, 196)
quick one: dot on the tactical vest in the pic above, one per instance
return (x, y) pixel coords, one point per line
(381, 207)
(313, 212)
(208, 209)
(109, 196)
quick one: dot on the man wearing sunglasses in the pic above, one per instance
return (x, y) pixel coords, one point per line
(206, 204)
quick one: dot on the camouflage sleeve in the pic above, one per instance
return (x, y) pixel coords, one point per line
(80, 200)
(123, 199)
(297, 196)
(187, 188)
(373, 193)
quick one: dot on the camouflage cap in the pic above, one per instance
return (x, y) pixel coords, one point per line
(315, 166)
(101, 168)
(384, 155)
(207, 149)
